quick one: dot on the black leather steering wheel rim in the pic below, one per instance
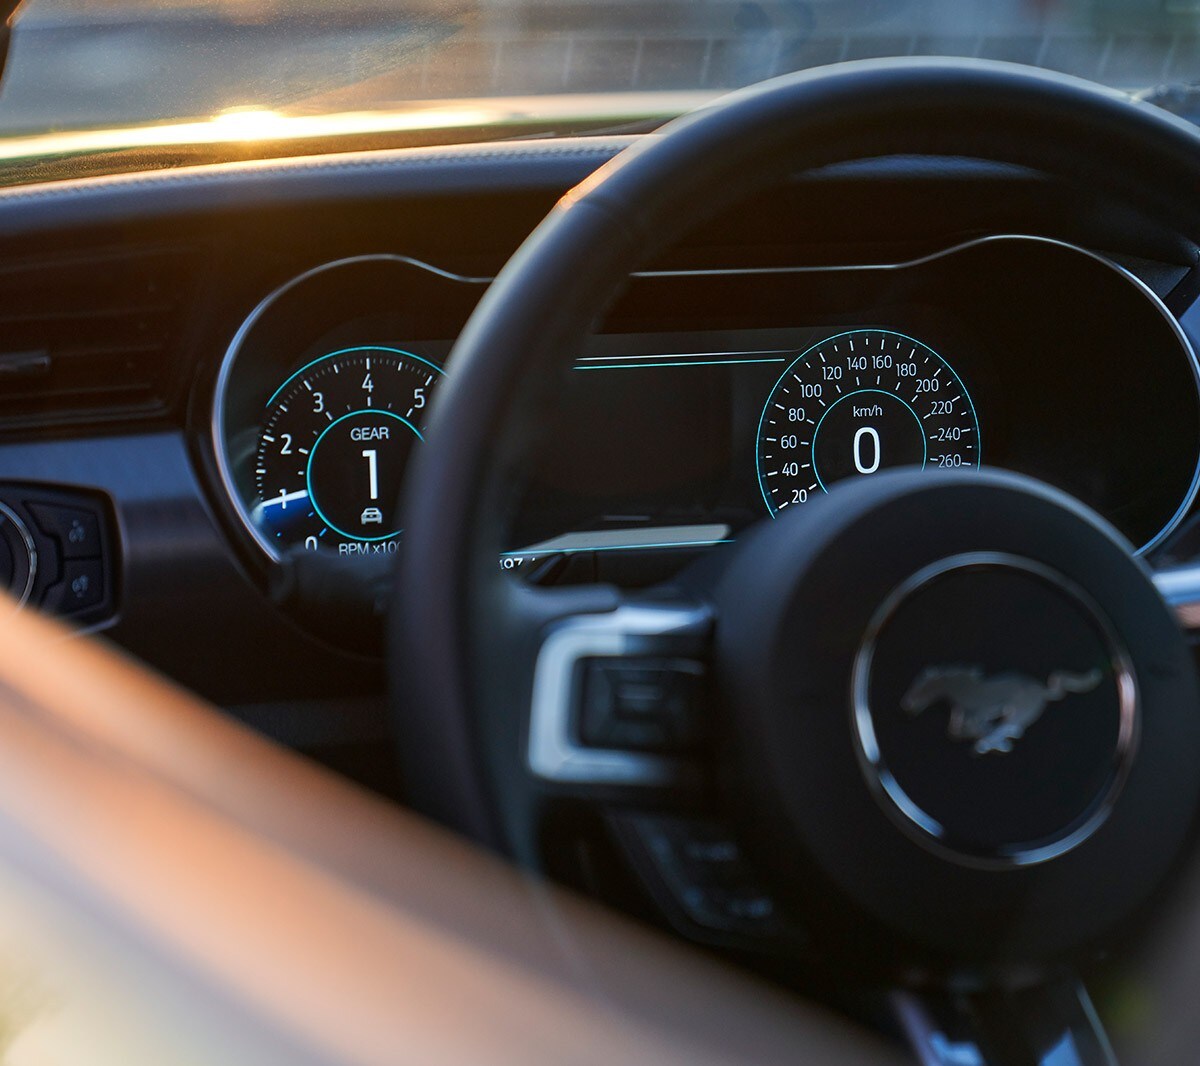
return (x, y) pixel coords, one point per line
(458, 706)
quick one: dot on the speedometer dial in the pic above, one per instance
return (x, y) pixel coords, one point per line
(858, 403)
(335, 442)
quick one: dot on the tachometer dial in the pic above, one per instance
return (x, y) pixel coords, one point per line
(858, 403)
(335, 442)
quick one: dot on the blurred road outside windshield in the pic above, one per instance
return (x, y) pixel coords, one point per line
(92, 63)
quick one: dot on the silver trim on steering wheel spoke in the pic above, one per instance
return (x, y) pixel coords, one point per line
(1180, 587)
(554, 752)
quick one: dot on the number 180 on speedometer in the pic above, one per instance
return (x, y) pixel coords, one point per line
(858, 403)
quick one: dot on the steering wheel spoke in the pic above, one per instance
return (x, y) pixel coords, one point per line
(1180, 587)
(619, 697)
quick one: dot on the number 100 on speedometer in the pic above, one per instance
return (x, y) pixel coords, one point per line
(858, 403)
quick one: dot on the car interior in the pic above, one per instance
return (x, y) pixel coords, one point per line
(716, 590)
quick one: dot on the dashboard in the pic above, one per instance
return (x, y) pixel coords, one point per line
(224, 370)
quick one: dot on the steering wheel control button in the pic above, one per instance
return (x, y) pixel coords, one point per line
(707, 882)
(629, 676)
(77, 531)
(649, 704)
(1000, 736)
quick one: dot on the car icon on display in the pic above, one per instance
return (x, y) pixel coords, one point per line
(372, 515)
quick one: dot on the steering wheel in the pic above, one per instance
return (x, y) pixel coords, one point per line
(806, 651)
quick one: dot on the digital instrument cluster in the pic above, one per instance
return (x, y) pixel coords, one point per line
(708, 401)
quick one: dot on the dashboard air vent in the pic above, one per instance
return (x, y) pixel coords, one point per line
(86, 337)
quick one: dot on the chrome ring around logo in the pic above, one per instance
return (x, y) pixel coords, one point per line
(917, 823)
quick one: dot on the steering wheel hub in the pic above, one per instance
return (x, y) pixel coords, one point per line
(957, 733)
(995, 710)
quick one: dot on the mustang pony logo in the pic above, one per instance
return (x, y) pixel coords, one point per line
(992, 711)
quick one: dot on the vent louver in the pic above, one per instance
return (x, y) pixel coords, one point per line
(86, 337)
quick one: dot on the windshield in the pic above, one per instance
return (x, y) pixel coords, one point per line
(243, 67)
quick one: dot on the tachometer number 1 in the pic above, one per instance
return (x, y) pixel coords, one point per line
(372, 472)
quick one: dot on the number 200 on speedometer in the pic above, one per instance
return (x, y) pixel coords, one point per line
(858, 403)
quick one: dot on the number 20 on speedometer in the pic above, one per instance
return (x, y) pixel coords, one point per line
(858, 403)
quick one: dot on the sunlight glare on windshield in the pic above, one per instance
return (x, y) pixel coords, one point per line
(248, 123)
(109, 64)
